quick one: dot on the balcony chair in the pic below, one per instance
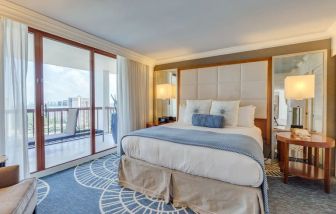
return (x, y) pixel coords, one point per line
(16, 197)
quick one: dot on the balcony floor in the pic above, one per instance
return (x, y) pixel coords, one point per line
(63, 152)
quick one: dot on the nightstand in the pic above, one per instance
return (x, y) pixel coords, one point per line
(151, 124)
(309, 170)
(275, 131)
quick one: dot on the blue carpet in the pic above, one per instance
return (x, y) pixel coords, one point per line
(93, 188)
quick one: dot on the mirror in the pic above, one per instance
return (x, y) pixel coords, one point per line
(305, 71)
(165, 99)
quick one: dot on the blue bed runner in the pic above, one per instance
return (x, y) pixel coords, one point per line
(237, 143)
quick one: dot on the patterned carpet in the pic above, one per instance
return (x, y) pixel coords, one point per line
(92, 188)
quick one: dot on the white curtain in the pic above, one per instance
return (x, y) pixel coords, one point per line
(132, 96)
(13, 61)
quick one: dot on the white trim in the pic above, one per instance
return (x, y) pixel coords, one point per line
(44, 23)
(71, 164)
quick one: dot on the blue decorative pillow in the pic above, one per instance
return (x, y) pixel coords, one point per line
(207, 120)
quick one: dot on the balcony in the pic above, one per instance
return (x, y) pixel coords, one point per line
(67, 134)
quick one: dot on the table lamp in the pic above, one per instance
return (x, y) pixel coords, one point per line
(164, 92)
(299, 88)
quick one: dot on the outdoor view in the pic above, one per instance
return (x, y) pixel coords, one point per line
(66, 95)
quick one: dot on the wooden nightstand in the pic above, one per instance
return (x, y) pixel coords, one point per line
(308, 170)
(151, 124)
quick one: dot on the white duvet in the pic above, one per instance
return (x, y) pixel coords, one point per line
(211, 163)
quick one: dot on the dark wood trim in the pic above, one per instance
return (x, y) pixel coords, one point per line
(39, 106)
(178, 93)
(269, 101)
(92, 103)
(104, 53)
(39, 99)
(154, 98)
(71, 42)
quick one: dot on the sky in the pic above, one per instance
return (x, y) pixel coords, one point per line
(60, 83)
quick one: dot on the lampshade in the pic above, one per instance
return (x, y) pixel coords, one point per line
(300, 87)
(164, 91)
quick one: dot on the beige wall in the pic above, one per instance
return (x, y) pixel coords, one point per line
(269, 52)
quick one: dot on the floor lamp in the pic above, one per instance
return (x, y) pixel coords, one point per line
(299, 88)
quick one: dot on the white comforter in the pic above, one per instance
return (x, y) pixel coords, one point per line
(211, 163)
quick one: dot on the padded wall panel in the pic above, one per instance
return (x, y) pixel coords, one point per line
(255, 90)
(207, 91)
(254, 71)
(246, 82)
(207, 75)
(229, 73)
(189, 92)
(229, 91)
(189, 76)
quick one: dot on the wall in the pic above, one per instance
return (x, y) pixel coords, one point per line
(275, 51)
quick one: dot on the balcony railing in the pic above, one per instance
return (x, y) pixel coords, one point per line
(55, 119)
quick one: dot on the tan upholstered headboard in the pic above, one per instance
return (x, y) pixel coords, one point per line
(248, 82)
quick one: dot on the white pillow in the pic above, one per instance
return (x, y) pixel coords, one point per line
(195, 107)
(246, 116)
(229, 109)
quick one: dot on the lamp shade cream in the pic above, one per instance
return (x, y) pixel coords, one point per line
(164, 91)
(300, 87)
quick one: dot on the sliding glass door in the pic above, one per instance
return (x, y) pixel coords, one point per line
(71, 92)
(105, 101)
(66, 87)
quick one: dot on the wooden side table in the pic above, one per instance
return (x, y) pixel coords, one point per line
(308, 170)
(3, 160)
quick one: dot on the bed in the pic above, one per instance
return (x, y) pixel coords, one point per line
(205, 179)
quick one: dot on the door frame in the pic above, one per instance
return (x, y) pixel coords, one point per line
(39, 94)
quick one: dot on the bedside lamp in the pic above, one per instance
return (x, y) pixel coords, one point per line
(164, 92)
(299, 88)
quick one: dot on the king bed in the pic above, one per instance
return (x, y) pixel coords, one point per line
(208, 169)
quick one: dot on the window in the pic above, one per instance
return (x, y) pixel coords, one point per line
(65, 93)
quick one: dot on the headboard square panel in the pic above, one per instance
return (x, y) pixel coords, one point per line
(254, 71)
(189, 76)
(229, 73)
(229, 91)
(189, 92)
(207, 75)
(255, 90)
(207, 91)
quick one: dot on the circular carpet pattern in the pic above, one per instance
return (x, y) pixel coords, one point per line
(98, 174)
(42, 190)
(103, 174)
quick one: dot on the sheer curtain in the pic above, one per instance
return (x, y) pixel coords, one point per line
(132, 94)
(13, 61)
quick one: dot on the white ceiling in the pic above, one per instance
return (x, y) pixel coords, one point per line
(163, 29)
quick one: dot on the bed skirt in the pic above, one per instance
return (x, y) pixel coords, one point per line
(200, 194)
